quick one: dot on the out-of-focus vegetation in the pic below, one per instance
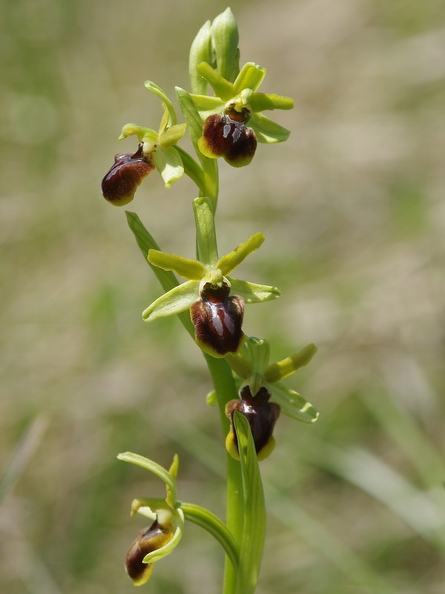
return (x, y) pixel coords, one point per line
(353, 209)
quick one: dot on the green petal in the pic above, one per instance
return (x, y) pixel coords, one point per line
(253, 293)
(189, 269)
(175, 301)
(169, 164)
(261, 101)
(281, 369)
(222, 87)
(233, 259)
(266, 130)
(143, 134)
(292, 404)
(172, 135)
(250, 77)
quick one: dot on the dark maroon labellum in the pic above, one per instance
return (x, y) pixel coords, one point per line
(148, 540)
(225, 137)
(261, 414)
(218, 319)
(121, 182)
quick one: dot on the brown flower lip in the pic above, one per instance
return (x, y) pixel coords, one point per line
(224, 136)
(218, 319)
(148, 540)
(122, 180)
(261, 414)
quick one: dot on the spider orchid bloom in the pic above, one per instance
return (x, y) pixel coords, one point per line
(261, 381)
(156, 151)
(215, 299)
(233, 122)
(167, 522)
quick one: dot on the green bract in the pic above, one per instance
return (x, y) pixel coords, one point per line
(208, 269)
(242, 94)
(252, 365)
(159, 147)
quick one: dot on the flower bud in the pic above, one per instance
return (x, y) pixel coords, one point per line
(148, 540)
(122, 180)
(225, 136)
(218, 318)
(262, 416)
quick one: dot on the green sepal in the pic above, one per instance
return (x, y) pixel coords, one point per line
(292, 404)
(154, 88)
(189, 269)
(250, 77)
(153, 467)
(222, 87)
(281, 369)
(174, 302)
(262, 101)
(254, 517)
(233, 259)
(200, 51)
(224, 32)
(266, 130)
(252, 292)
(169, 164)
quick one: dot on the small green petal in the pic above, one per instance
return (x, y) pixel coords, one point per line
(281, 369)
(261, 101)
(189, 269)
(175, 301)
(172, 135)
(230, 261)
(222, 87)
(250, 77)
(266, 130)
(143, 134)
(169, 164)
(253, 293)
(292, 404)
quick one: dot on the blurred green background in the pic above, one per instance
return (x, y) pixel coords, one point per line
(354, 214)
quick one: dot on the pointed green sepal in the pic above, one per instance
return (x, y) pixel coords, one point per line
(262, 101)
(174, 302)
(154, 88)
(292, 404)
(266, 130)
(233, 259)
(189, 269)
(281, 369)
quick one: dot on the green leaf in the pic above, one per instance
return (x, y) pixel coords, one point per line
(254, 520)
(292, 404)
(253, 293)
(177, 300)
(189, 269)
(233, 259)
(266, 130)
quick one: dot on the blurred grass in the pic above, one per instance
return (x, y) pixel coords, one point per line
(353, 211)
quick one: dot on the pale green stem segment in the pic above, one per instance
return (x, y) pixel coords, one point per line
(205, 231)
(210, 522)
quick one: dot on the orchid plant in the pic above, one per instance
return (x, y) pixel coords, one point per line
(223, 115)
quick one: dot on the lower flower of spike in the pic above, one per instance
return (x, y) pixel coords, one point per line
(262, 416)
(148, 540)
(122, 180)
(217, 318)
